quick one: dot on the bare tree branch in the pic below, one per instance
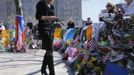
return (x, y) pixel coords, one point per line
(18, 8)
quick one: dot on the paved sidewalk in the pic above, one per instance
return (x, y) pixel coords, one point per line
(28, 63)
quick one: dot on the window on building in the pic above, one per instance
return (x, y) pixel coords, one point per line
(62, 17)
(62, 4)
(76, 11)
(62, 11)
(70, 12)
(76, 17)
(30, 10)
(68, 2)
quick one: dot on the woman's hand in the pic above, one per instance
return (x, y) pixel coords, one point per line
(48, 18)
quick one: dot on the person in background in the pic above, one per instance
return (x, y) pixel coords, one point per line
(119, 14)
(128, 7)
(45, 16)
(30, 25)
(109, 12)
(71, 24)
(104, 26)
(110, 8)
(89, 22)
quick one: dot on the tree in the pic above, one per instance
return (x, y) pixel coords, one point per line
(18, 7)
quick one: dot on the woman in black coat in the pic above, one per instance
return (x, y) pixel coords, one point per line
(45, 16)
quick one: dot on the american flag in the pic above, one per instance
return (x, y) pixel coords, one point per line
(92, 44)
(90, 37)
(19, 32)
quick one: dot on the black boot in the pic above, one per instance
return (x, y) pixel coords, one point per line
(51, 65)
(44, 73)
(44, 64)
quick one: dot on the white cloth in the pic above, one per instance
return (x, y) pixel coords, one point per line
(103, 15)
(2, 27)
(108, 16)
(128, 9)
(101, 27)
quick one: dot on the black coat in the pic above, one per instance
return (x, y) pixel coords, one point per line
(43, 10)
(44, 27)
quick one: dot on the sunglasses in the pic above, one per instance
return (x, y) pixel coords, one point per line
(108, 6)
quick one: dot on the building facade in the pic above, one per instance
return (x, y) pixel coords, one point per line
(4, 9)
(29, 10)
(8, 11)
(66, 9)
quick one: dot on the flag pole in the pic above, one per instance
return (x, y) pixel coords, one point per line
(19, 22)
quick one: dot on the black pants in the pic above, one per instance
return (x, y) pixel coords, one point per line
(46, 37)
(48, 61)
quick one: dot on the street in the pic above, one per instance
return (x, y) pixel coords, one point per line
(28, 63)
